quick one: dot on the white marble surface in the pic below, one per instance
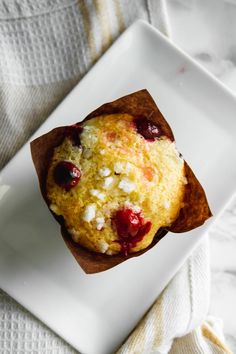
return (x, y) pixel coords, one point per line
(206, 30)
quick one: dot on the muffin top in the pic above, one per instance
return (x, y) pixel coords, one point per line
(116, 180)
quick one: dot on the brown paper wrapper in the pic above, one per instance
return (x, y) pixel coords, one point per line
(193, 214)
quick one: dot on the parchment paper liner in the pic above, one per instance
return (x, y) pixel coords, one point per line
(194, 213)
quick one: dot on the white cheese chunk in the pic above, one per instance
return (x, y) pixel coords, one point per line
(126, 185)
(89, 212)
(97, 193)
(104, 172)
(107, 182)
(118, 167)
(100, 223)
(128, 167)
(103, 246)
(101, 196)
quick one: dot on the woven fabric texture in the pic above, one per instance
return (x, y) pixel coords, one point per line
(46, 47)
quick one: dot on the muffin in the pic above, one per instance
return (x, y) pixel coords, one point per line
(116, 180)
(116, 184)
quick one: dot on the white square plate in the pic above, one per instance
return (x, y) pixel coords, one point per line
(94, 313)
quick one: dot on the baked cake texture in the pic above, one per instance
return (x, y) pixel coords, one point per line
(129, 184)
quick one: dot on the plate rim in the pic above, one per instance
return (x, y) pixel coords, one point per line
(147, 27)
(139, 24)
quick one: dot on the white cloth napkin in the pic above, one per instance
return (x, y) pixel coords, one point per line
(45, 48)
(177, 323)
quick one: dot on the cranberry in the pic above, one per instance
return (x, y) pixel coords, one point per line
(131, 228)
(147, 128)
(73, 133)
(66, 175)
(127, 223)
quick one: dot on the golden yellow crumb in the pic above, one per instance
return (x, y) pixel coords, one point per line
(118, 168)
